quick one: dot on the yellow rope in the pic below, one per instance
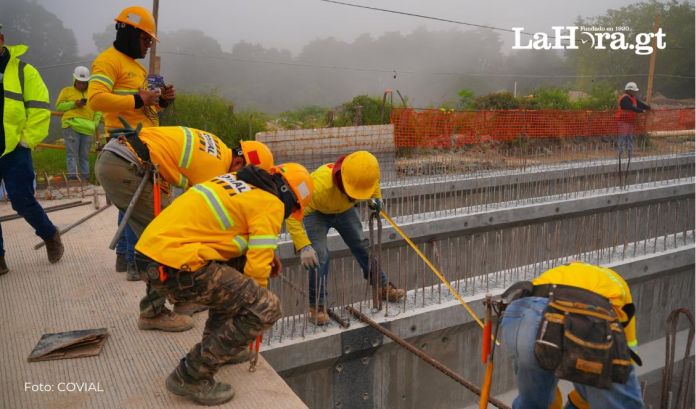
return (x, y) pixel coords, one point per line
(432, 267)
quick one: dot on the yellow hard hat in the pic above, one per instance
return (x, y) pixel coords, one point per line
(257, 154)
(300, 182)
(138, 17)
(360, 175)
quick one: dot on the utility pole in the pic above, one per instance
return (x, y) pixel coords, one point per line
(154, 58)
(653, 56)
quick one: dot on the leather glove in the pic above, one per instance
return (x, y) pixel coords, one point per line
(375, 204)
(309, 257)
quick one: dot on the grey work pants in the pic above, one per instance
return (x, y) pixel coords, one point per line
(120, 180)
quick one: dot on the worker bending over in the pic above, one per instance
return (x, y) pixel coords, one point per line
(338, 187)
(574, 322)
(182, 157)
(184, 252)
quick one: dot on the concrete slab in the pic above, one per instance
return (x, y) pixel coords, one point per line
(83, 291)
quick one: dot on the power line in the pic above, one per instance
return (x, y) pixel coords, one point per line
(403, 13)
(45, 67)
(396, 71)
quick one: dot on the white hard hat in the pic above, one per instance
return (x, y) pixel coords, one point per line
(81, 74)
(631, 86)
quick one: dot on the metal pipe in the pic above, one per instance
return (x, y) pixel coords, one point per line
(129, 210)
(424, 356)
(77, 223)
(47, 210)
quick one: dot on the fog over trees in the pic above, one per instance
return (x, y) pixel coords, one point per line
(428, 67)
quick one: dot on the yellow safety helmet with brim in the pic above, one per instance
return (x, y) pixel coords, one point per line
(139, 17)
(360, 175)
(300, 182)
(257, 153)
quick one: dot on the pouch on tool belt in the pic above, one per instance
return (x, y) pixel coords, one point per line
(581, 340)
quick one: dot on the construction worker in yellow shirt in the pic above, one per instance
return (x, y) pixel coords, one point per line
(185, 250)
(183, 157)
(79, 124)
(338, 188)
(119, 87)
(574, 322)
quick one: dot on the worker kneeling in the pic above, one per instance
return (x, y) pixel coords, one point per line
(573, 322)
(184, 251)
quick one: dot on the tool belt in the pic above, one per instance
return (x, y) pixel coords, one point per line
(580, 337)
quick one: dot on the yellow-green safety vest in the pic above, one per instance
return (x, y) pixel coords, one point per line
(27, 114)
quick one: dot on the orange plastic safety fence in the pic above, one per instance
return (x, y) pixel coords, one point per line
(450, 129)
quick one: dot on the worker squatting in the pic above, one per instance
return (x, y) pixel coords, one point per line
(213, 248)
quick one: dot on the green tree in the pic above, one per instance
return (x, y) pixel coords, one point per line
(674, 64)
(213, 113)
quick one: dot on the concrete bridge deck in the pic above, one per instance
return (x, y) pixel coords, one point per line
(83, 291)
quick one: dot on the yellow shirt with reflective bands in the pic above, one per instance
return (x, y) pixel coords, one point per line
(326, 198)
(115, 78)
(186, 156)
(217, 220)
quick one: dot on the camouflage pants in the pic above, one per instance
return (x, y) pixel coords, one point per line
(240, 310)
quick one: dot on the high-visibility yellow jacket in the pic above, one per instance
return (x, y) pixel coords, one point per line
(186, 156)
(80, 119)
(26, 114)
(216, 221)
(600, 280)
(326, 198)
(115, 79)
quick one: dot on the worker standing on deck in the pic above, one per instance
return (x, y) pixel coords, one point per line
(183, 157)
(185, 251)
(338, 188)
(574, 322)
(119, 87)
(628, 107)
(25, 116)
(79, 124)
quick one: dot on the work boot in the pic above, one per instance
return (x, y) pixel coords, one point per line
(189, 308)
(3, 266)
(132, 272)
(54, 248)
(121, 263)
(391, 293)
(166, 321)
(204, 391)
(243, 356)
(318, 316)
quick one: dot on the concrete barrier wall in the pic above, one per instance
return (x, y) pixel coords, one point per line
(357, 368)
(315, 147)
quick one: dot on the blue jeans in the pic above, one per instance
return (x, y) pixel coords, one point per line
(536, 386)
(77, 153)
(348, 225)
(626, 137)
(126, 243)
(17, 171)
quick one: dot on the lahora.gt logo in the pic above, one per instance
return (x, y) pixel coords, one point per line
(598, 38)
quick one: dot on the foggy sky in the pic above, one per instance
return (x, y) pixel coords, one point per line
(290, 24)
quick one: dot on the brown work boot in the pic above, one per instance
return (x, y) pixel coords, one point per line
(391, 293)
(54, 248)
(3, 266)
(189, 308)
(121, 263)
(318, 316)
(203, 391)
(166, 321)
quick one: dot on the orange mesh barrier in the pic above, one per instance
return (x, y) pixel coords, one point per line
(440, 129)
